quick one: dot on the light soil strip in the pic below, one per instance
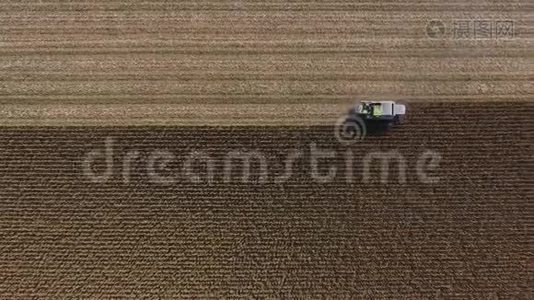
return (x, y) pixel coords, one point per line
(247, 62)
(171, 114)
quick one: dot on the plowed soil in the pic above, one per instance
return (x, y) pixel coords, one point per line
(463, 236)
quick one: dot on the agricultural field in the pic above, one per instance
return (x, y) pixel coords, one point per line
(127, 129)
(462, 234)
(152, 62)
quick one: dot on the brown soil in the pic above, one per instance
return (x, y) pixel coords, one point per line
(464, 236)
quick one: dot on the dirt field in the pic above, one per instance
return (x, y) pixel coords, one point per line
(463, 236)
(215, 73)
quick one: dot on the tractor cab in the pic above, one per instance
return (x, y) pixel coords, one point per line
(371, 109)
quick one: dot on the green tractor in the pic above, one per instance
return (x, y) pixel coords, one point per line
(373, 117)
(386, 112)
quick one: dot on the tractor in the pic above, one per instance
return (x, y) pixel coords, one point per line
(380, 112)
(369, 117)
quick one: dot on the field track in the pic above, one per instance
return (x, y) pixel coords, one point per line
(272, 77)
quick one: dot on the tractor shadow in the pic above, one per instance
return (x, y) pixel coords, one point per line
(375, 128)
